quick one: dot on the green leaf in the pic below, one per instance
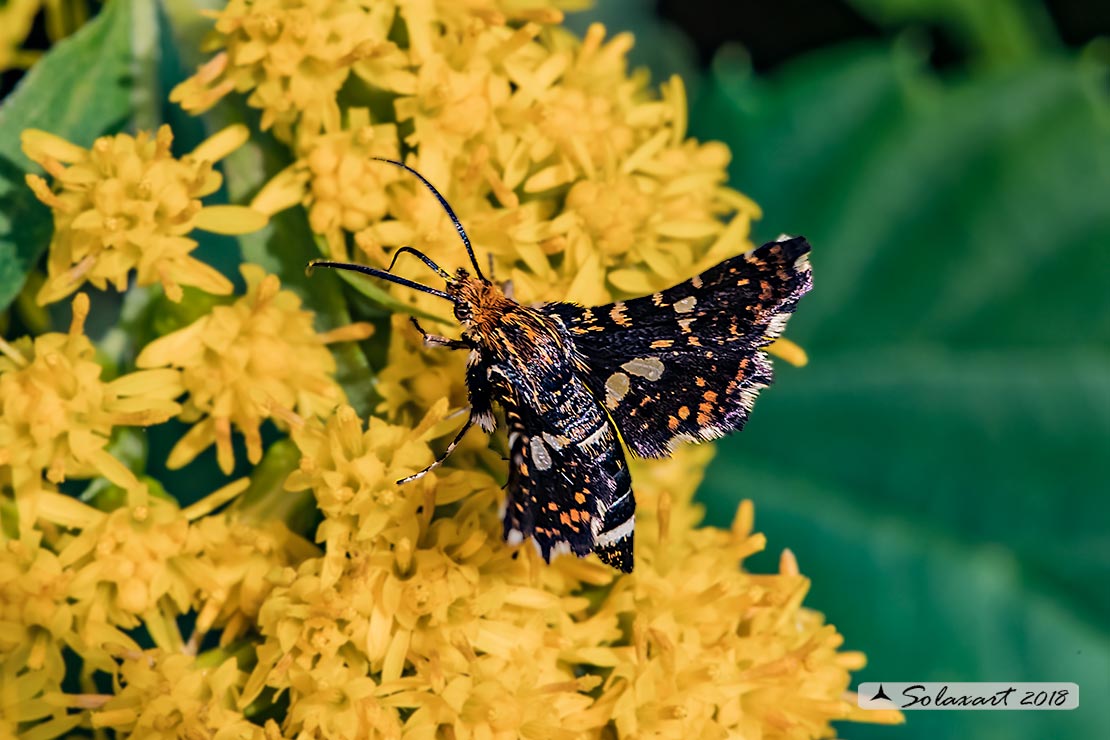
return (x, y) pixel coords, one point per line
(79, 91)
(995, 31)
(940, 467)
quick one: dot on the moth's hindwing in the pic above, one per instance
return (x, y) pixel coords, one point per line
(569, 487)
(685, 363)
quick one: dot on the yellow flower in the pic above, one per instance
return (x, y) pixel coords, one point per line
(418, 605)
(415, 377)
(57, 414)
(16, 19)
(292, 56)
(240, 558)
(337, 700)
(715, 651)
(163, 694)
(338, 180)
(353, 476)
(414, 618)
(573, 175)
(128, 204)
(258, 358)
(414, 582)
(38, 622)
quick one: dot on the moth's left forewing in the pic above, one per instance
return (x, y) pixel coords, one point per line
(686, 363)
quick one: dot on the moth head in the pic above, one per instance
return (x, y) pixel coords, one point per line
(475, 297)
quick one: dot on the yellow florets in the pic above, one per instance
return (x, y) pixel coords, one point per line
(173, 695)
(128, 204)
(255, 359)
(57, 414)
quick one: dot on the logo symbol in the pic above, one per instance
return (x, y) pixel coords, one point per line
(880, 694)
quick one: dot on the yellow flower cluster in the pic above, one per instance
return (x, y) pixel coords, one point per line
(57, 414)
(86, 577)
(255, 359)
(127, 204)
(170, 695)
(411, 618)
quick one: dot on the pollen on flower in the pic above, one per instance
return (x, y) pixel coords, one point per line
(57, 413)
(254, 359)
(128, 204)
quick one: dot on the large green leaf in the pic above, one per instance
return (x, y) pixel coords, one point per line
(941, 466)
(79, 91)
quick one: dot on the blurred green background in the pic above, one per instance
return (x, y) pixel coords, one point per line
(941, 467)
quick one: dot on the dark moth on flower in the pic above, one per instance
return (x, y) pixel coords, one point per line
(683, 364)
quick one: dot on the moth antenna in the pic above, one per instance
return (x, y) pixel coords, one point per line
(387, 276)
(446, 207)
(422, 257)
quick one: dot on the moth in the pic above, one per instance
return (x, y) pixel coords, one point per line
(683, 364)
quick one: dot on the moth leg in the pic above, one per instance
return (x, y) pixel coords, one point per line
(439, 460)
(506, 286)
(433, 340)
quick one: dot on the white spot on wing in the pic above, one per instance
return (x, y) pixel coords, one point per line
(650, 368)
(514, 537)
(615, 389)
(616, 534)
(686, 305)
(540, 456)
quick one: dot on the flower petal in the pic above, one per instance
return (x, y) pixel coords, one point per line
(230, 219)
